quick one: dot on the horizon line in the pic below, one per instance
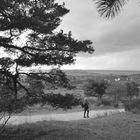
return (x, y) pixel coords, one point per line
(103, 69)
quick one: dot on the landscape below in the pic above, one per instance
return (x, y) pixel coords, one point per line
(113, 127)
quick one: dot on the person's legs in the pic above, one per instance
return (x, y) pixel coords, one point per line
(85, 113)
(88, 113)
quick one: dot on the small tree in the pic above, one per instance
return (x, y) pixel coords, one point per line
(116, 90)
(96, 88)
(132, 89)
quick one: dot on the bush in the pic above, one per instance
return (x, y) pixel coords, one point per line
(106, 102)
(133, 105)
(66, 101)
(116, 105)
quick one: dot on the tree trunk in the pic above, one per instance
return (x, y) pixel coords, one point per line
(99, 99)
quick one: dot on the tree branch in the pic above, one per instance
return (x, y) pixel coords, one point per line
(46, 49)
(24, 87)
(2, 128)
(7, 73)
(16, 48)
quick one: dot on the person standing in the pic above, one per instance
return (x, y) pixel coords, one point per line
(86, 108)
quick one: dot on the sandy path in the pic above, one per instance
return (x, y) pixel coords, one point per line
(15, 120)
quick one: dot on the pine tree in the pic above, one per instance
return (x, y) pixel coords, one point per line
(28, 37)
(110, 8)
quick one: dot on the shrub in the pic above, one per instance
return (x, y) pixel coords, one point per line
(66, 101)
(133, 105)
(106, 102)
(96, 88)
(116, 105)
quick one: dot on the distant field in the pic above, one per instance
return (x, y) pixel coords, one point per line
(100, 72)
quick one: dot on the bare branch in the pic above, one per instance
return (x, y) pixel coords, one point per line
(24, 88)
(5, 122)
(2, 116)
(30, 73)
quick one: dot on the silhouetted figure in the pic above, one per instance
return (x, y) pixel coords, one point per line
(86, 108)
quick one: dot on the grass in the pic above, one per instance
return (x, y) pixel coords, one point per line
(123, 126)
(37, 109)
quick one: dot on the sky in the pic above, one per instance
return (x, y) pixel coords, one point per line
(116, 41)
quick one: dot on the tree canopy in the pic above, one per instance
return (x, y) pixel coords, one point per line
(132, 89)
(96, 88)
(37, 21)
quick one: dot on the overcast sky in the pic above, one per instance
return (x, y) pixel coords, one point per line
(116, 41)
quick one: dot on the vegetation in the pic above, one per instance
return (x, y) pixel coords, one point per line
(28, 38)
(116, 90)
(132, 89)
(96, 88)
(109, 8)
(133, 105)
(114, 127)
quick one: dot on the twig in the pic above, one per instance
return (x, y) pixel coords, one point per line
(24, 88)
(3, 126)
(2, 116)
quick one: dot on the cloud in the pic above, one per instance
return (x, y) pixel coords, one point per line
(81, 18)
(116, 35)
(126, 60)
(122, 34)
(116, 41)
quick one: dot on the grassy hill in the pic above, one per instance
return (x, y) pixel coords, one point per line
(123, 126)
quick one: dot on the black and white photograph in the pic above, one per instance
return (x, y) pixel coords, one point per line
(69, 70)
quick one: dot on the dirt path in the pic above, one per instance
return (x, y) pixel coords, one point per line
(15, 120)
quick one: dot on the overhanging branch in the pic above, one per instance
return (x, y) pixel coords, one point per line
(16, 48)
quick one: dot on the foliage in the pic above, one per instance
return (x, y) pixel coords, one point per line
(116, 90)
(36, 20)
(96, 88)
(107, 102)
(28, 37)
(132, 89)
(109, 8)
(66, 101)
(62, 101)
(133, 105)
